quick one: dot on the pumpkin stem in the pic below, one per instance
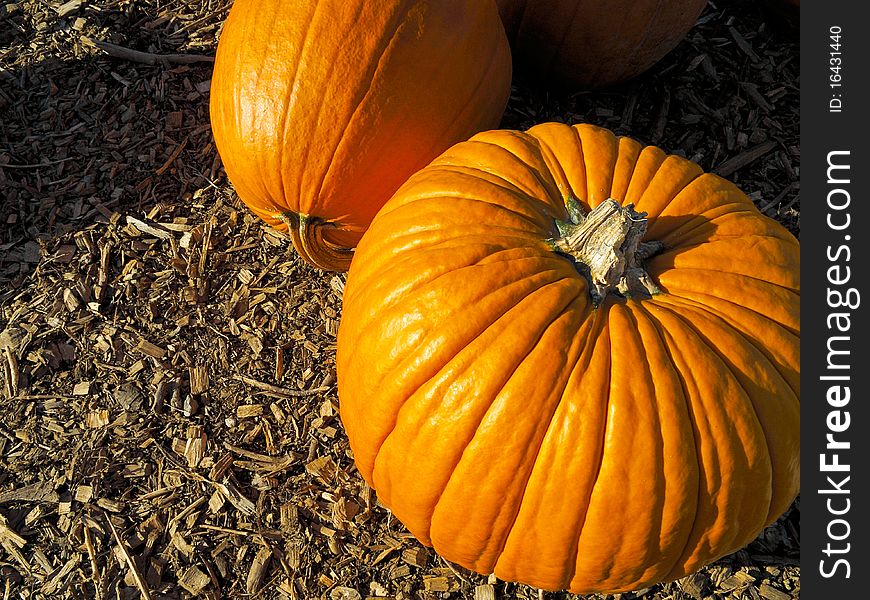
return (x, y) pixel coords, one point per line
(307, 235)
(607, 247)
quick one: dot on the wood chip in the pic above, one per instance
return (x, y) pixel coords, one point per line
(181, 544)
(743, 45)
(257, 572)
(216, 502)
(194, 448)
(153, 350)
(696, 585)
(68, 7)
(84, 493)
(115, 506)
(417, 557)
(236, 498)
(737, 581)
(194, 580)
(437, 584)
(322, 468)
(42, 491)
(769, 592)
(248, 411)
(8, 534)
(745, 158)
(198, 379)
(97, 418)
(144, 227)
(484, 592)
(344, 593)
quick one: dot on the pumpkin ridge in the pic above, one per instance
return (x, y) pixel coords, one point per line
(672, 347)
(608, 325)
(551, 185)
(599, 327)
(504, 311)
(669, 349)
(595, 337)
(400, 262)
(587, 342)
(722, 271)
(490, 69)
(557, 47)
(721, 237)
(550, 137)
(684, 372)
(553, 163)
(288, 98)
(693, 232)
(637, 577)
(679, 288)
(737, 378)
(678, 302)
(470, 198)
(581, 161)
(399, 20)
(643, 39)
(589, 138)
(650, 159)
(546, 202)
(449, 245)
(332, 63)
(766, 249)
(659, 211)
(619, 154)
(701, 305)
(471, 170)
(519, 501)
(584, 356)
(245, 20)
(724, 324)
(507, 314)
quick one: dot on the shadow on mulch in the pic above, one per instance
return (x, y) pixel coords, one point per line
(83, 135)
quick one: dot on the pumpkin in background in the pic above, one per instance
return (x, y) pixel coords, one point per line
(583, 44)
(321, 109)
(595, 436)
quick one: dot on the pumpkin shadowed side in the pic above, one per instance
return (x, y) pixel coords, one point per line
(583, 44)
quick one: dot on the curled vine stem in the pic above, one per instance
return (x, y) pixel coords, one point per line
(307, 235)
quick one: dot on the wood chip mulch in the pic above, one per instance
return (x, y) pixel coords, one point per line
(168, 409)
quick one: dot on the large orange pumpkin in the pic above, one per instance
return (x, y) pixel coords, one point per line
(321, 109)
(594, 43)
(595, 437)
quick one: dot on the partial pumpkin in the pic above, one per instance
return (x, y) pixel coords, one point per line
(583, 44)
(321, 109)
(556, 387)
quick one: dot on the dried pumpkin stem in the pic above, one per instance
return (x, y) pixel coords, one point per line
(307, 235)
(608, 249)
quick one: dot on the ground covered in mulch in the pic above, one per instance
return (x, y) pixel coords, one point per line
(168, 410)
